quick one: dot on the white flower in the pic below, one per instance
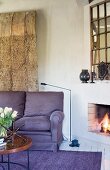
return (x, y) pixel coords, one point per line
(7, 110)
(2, 115)
(14, 114)
(1, 109)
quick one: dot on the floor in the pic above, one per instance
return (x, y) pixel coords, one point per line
(87, 145)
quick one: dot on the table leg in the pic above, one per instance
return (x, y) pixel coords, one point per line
(28, 158)
(1, 158)
(2, 167)
(8, 162)
(2, 162)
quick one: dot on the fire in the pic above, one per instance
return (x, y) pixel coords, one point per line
(105, 124)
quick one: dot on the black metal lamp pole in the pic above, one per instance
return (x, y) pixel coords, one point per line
(44, 84)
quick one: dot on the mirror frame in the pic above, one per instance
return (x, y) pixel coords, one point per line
(100, 38)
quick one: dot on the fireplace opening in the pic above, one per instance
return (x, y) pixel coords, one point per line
(99, 118)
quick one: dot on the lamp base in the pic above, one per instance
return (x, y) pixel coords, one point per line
(74, 143)
(92, 82)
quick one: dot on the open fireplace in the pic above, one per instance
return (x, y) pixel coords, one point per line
(99, 118)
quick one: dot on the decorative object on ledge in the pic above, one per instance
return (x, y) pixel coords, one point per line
(44, 84)
(108, 69)
(92, 77)
(102, 70)
(107, 77)
(84, 76)
(93, 74)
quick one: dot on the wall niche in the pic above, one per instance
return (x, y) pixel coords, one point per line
(18, 58)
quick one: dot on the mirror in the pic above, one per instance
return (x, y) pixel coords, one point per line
(108, 8)
(101, 11)
(102, 26)
(94, 16)
(108, 24)
(100, 36)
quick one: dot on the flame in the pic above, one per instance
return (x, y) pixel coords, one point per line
(105, 123)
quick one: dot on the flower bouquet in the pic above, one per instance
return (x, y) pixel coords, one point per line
(7, 116)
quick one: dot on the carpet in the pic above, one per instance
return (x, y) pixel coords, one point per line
(61, 160)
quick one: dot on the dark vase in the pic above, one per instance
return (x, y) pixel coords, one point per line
(84, 76)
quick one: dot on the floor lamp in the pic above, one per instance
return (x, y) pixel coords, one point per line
(45, 84)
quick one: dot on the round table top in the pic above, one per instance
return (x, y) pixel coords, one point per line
(20, 143)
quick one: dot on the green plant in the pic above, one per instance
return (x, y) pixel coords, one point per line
(7, 116)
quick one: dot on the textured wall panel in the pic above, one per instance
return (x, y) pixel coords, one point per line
(18, 60)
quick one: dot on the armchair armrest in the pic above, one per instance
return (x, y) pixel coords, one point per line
(56, 120)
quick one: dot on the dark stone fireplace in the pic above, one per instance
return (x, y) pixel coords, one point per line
(96, 114)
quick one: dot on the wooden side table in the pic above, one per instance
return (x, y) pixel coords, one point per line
(20, 143)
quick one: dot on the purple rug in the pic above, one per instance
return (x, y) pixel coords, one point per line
(61, 160)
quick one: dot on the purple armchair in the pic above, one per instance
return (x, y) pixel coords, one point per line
(40, 113)
(42, 119)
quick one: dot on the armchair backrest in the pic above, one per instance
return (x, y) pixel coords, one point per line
(14, 99)
(43, 103)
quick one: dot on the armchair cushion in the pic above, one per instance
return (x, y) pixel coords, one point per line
(36, 123)
(43, 103)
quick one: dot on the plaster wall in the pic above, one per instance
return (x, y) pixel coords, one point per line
(63, 47)
(59, 43)
(82, 94)
(88, 93)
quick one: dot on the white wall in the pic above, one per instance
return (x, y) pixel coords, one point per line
(88, 93)
(60, 37)
(63, 41)
(59, 41)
